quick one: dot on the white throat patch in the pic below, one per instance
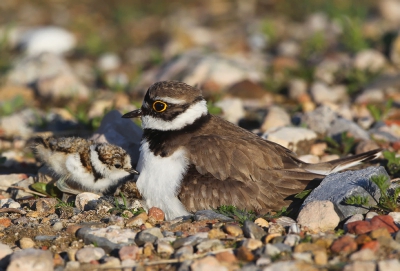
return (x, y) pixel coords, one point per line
(194, 112)
(159, 180)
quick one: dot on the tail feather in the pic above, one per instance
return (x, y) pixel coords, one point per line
(343, 163)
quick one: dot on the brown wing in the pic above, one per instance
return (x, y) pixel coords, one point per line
(247, 172)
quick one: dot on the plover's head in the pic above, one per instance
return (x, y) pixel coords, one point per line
(111, 161)
(170, 105)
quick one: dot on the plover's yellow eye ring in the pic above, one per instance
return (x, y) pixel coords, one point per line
(159, 106)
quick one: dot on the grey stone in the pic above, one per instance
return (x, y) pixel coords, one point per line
(279, 266)
(341, 125)
(337, 187)
(319, 120)
(283, 247)
(184, 253)
(31, 259)
(292, 240)
(303, 256)
(361, 265)
(190, 240)
(40, 238)
(145, 237)
(121, 132)
(88, 254)
(209, 215)
(209, 245)
(271, 250)
(252, 230)
(109, 238)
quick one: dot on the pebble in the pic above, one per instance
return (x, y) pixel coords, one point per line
(303, 256)
(42, 238)
(164, 248)
(110, 262)
(58, 226)
(262, 222)
(156, 213)
(5, 222)
(370, 215)
(108, 61)
(252, 244)
(251, 230)
(318, 216)
(86, 201)
(396, 217)
(283, 247)
(289, 137)
(88, 254)
(291, 240)
(381, 221)
(363, 255)
(232, 109)
(4, 250)
(9, 203)
(276, 228)
(373, 246)
(137, 220)
(389, 265)
(233, 230)
(46, 39)
(216, 234)
(320, 257)
(208, 263)
(72, 265)
(184, 253)
(290, 266)
(271, 250)
(209, 245)
(344, 244)
(322, 93)
(244, 254)
(375, 234)
(226, 256)
(369, 59)
(276, 117)
(148, 236)
(294, 228)
(31, 259)
(128, 252)
(356, 217)
(360, 265)
(210, 215)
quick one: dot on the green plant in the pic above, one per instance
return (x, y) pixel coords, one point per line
(357, 200)
(352, 37)
(63, 204)
(378, 113)
(11, 106)
(388, 199)
(315, 45)
(213, 109)
(393, 164)
(120, 208)
(47, 188)
(343, 148)
(235, 213)
(303, 194)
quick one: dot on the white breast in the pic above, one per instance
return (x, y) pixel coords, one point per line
(160, 178)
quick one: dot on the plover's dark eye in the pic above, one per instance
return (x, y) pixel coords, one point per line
(159, 106)
(117, 165)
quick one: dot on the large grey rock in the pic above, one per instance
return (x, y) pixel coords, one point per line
(31, 259)
(339, 186)
(121, 132)
(209, 214)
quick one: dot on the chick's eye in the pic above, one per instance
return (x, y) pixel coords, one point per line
(117, 165)
(159, 106)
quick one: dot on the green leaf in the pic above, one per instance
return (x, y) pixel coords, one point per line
(47, 189)
(303, 194)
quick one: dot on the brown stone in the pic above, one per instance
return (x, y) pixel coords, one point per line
(320, 257)
(379, 232)
(148, 249)
(216, 234)
(128, 252)
(226, 256)
(324, 242)
(359, 227)
(233, 230)
(362, 239)
(46, 206)
(5, 222)
(244, 254)
(137, 221)
(72, 229)
(344, 244)
(384, 221)
(373, 245)
(156, 213)
(307, 247)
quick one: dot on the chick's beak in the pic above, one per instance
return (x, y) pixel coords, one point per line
(133, 114)
(132, 171)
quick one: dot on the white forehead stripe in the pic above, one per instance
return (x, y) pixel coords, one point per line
(191, 114)
(169, 100)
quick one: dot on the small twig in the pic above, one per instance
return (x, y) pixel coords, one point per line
(12, 210)
(27, 190)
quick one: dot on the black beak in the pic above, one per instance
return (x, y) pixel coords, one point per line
(132, 171)
(133, 114)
